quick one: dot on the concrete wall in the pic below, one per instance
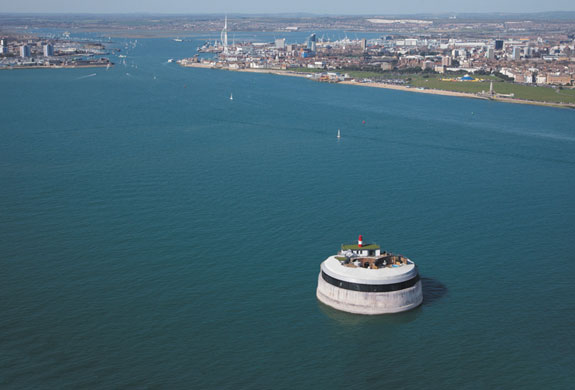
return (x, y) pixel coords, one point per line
(367, 302)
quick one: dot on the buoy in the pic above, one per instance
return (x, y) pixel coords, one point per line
(363, 122)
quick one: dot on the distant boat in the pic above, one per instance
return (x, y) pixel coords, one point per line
(338, 133)
(231, 97)
(171, 60)
(178, 40)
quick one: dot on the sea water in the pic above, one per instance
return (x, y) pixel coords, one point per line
(156, 234)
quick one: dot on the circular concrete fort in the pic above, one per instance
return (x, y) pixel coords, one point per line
(363, 280)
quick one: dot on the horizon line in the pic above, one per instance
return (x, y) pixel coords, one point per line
(294, 13)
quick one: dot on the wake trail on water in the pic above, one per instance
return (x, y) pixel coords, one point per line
(85, 77)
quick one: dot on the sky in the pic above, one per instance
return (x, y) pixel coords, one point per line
(381, 7)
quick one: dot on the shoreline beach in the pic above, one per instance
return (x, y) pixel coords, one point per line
(392, 86)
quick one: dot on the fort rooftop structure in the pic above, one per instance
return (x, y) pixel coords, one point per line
(363, 280)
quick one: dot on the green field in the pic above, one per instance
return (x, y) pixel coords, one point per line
(433, 81)
(525, 92)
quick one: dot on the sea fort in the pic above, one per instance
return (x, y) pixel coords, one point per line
(363, 280)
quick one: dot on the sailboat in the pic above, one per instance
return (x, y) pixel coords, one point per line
(338, 134)
(231, 97)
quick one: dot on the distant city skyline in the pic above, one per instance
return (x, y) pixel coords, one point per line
(295, 6)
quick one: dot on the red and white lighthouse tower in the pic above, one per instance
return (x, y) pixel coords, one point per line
(360, 241)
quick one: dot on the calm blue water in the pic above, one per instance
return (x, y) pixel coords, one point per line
(155, 234)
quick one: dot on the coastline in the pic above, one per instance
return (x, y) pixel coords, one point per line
(55, 66)
(460, 94)
(396, 87)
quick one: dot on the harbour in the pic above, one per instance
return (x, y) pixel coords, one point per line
(157, 234)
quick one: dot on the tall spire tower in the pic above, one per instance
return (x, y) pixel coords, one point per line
(224, 35)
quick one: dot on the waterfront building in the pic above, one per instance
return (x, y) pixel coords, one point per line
(280, 43)
(386, 66)
(48, 50)
(24, 51)
(541, 79)
(559, 79)
(3, 50)
(311, 42)
(427, 65)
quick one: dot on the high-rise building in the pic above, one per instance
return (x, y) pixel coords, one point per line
(24, 51)
(280, 43)
(3, 50)
(363, 44)
(516, 55)
(311, 42)
(446, 61)
(3, 42)
(48, 50)
(498, 44)
(490, 54)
